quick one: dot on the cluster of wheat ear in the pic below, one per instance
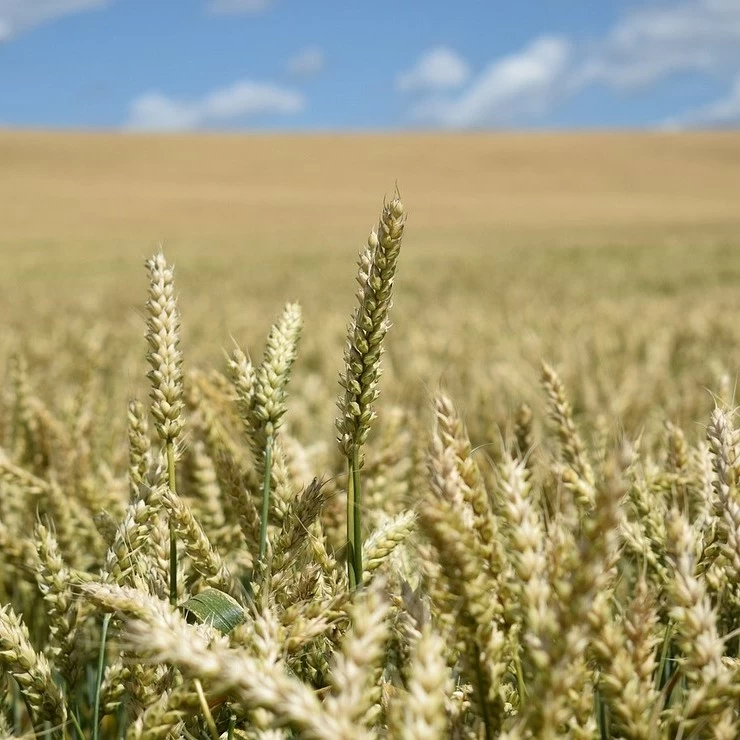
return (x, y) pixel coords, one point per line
(224, 576)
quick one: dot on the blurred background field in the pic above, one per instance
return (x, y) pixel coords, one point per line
(615, 255)
(228, 188)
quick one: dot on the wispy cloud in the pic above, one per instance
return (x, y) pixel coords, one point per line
(20, 15)
(649, 44)
(520, 84)
(724, 112)
(234, 105)
(643, 47)
(233, 7)
(438, 69)
(307, 63)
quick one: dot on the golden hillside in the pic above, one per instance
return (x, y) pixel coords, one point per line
(80, 185)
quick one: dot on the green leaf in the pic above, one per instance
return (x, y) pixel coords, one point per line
(215, 608)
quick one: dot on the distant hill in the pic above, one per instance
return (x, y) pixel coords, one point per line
(59, 186)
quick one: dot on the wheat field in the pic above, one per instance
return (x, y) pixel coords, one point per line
(488, 489)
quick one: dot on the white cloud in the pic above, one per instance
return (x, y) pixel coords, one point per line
(307, 63)
(234, 104)
(20, 15)
(156, 112)
(645, 46)
(525, 83)
(651, 43)
(232, 7)
(722, 112)
(438, 69)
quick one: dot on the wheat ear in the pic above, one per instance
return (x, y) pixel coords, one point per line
(31, 670)
(165, 358)
(361, 373)
(261, 397)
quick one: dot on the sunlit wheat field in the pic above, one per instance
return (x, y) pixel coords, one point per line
(468, 469)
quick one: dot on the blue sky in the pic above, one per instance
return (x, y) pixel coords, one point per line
(402, 64)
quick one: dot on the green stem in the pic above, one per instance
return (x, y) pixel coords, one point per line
(602, 717)
(357, 485)
(662, 675)
(206, 710)
(76, 723)
(351, 528)
(17, 719)
(265, 499)
(521, 686)
(172, 483)
(483, 699)
(99, 680)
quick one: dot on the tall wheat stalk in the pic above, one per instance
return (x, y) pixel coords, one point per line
(367, 330)
(261, 396)
(165, 358)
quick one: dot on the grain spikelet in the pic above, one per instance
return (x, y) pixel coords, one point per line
(31, 670)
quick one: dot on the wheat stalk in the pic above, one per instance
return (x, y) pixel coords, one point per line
(362, 355)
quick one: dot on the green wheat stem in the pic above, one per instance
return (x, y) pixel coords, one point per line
(265, 499)
(206, 710)
(99, 679)
(520, 678)
(356, 514)
(483, 700)
(17, 720)
(76, 724)
(351, 565)
(602, 716)
(662, 675)
(171, 482)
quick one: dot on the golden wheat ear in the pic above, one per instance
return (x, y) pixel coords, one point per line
(166, 377)
(30, 670)
(261, 398)
(359, 379)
